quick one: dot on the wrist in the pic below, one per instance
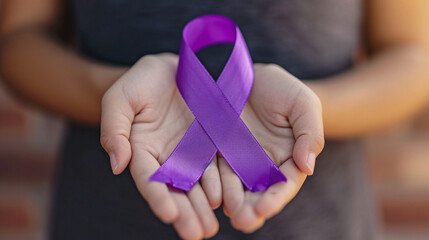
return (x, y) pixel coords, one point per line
(101, 77)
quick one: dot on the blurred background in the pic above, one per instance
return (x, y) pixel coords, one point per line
(397, 161)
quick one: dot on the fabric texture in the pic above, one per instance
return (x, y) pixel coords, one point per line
(309, 38)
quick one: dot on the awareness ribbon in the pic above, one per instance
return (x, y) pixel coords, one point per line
(217, 106)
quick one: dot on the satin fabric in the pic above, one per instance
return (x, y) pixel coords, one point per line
(216, 106)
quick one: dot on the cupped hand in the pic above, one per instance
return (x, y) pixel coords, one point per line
(285, 117)
(143, 119)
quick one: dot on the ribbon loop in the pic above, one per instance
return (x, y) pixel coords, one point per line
(217, 107)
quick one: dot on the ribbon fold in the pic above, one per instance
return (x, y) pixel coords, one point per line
(217, 106)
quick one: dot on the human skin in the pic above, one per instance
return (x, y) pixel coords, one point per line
(388, 88)
(144, 117)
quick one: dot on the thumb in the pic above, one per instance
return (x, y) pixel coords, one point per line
(116, 120)
(307, 126)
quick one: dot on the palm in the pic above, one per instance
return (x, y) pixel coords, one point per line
(164, 119)
(144, 117)
(272, 130)
(160, 118)
(268, 119)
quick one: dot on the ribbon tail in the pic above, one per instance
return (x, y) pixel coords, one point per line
(187, 163)
(276, 176)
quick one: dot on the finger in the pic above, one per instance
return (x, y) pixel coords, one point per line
(116, 119)
(241, 213)
(203, 210)
(258, 66)
(170, 58)
(275, 198)
(246, 220)
(307, 126)
(232, 188)
(142, 166)
(210, 182)
(187, 225)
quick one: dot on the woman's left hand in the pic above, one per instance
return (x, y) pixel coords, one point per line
(285, 117)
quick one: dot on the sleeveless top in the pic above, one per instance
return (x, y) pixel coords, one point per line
(309, 38)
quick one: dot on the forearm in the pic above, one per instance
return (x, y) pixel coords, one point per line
(42, 72)
(386, 90)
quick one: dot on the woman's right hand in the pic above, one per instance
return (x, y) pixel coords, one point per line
(143, 119)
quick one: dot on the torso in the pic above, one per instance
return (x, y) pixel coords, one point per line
(309, 38)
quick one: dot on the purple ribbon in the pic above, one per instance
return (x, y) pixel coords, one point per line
(217, 107)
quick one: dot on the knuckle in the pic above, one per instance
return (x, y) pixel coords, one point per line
(274, 67)
(232, 202)
(319, 141)
(148, 57)
(258, 65)
(312, 99)
(104, 105)
(109, 96)
(316, 99)
(159, 203)
(104, 140)
(167, 55)
(105, 98)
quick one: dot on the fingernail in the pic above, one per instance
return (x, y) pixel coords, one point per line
(113, 161)
(311, 160)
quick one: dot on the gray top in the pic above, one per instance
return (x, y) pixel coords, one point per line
(309, 38)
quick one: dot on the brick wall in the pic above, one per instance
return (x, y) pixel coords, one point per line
(29, 141)
(399, 167)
